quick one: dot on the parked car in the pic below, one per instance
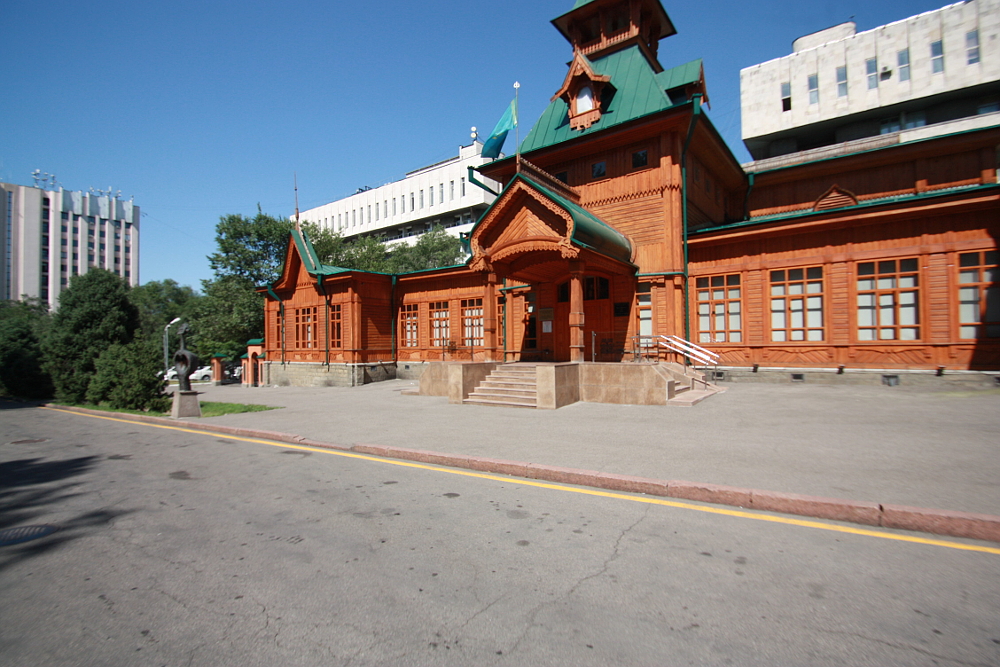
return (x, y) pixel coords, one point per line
(203, 374)
(170, 376)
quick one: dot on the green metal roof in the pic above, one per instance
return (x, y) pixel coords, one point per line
(681, 75)
(309, 258)
(881, 201)
(639, 91)
(589, 231)
(581, 3)
(255, 341)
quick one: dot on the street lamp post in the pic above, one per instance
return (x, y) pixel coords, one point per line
(166, 354)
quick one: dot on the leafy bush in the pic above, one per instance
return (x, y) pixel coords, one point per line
(126, 377)
(21, 371)
(94, 314)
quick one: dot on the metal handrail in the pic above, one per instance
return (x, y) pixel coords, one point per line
(694, 353)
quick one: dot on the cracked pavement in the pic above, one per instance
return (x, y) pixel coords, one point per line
(186, 549)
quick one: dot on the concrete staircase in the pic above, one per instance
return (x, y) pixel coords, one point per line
(690, 386)
(509, 385)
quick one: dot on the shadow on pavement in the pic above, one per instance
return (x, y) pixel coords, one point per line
(34, 487)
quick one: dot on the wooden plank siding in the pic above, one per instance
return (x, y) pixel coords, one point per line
(934, 233)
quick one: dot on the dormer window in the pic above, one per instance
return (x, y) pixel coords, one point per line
(585, 92)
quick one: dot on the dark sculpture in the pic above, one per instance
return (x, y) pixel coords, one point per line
(185, 361)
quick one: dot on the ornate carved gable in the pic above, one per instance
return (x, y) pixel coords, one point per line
(583, 90)
(835, 197)
(522, 220)
(293, 271)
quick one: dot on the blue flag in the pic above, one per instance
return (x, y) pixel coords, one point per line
(507, 122)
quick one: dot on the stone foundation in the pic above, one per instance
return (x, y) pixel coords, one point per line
(302, 374)
(830, 376)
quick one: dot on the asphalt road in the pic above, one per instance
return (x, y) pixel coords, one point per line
(180, 548)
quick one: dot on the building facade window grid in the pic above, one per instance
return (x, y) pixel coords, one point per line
(979, 295)
(871, 72)
(797, 305)
(719, 309)
(842, 81)
(472, 322)
(972, 47)
(937, 57)
(786, 96)
(888, 300)
(440, 323)
(305, 328)
(409, 325)
(813, 82)
(335, 333)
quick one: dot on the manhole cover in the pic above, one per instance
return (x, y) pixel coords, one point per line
(23, 534)
(29, 442)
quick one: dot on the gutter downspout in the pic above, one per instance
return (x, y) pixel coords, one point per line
(326, 300)
(695, 115)
(395, 317)
(474, 181)
(746, 200)
(281, 306)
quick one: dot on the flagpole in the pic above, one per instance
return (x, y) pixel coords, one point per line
(517, 130)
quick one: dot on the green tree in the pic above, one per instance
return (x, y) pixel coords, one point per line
(159, 302)
(94, 313)
(229, 313)
(23, 324)
(433, 249)
(250, 248)
(125, 376)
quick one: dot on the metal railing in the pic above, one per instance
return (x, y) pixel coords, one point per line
(649, 346)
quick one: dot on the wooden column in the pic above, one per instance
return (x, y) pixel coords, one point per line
(490, 317)
(576, 344)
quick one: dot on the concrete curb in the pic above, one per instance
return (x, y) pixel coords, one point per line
(940, 522)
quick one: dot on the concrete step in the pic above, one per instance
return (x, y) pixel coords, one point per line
(499, 402)
(506, 384)
(503, 391)
(690, 398)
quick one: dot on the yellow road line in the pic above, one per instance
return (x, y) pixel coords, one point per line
(573, 489)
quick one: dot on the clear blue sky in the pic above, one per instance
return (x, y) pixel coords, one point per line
(201, 109)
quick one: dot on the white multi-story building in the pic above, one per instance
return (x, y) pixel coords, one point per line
(50, 235)
(440, 194)
(936, 72)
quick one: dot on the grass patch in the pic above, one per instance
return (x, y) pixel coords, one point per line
(213, 409)
(208, 409)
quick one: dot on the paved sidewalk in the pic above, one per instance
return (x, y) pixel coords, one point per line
(895, 445)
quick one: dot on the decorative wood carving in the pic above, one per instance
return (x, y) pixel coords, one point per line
(835, 197)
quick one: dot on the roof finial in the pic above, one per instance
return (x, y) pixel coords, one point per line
(295, 178)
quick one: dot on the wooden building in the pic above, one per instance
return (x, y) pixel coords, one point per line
(624, 217)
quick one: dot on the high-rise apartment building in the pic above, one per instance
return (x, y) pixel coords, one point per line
(50, 235)
(927, 75)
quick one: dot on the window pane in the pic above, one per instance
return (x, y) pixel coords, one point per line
(735, 337)
(798, 335)
(908, 281)
(866, 334)
(795, 274)
(968, 259)
(814, 273)
(814, 288)
(778, 336)
(734, 293)
(866, 284)
(795, 288)
(965, 277)
(908, 265)
(886, 283)
(815, 335)
(866, 268)
(733, 280)
(777, 276)
(777, 290)
(967, 332)
(887, 266)
(908, 334)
